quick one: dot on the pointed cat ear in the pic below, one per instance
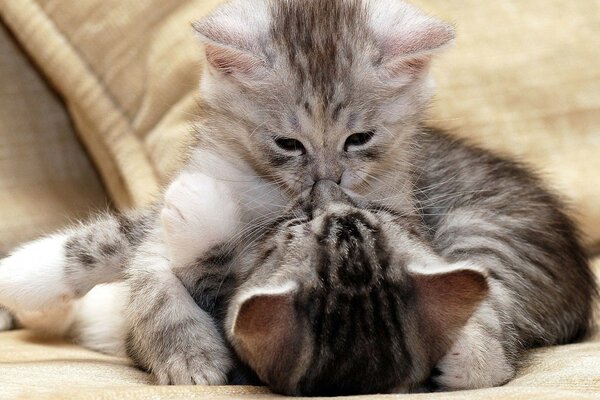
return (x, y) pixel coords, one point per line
(266, 328)
(230, 35)
(447, 298)
(408, 39)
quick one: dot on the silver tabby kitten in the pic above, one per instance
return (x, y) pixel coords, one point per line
(294, 92)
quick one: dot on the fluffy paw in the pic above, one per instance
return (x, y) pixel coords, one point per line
(193, 354)
(199, 213)
(475, 361)
(6, 320)
(192, 369)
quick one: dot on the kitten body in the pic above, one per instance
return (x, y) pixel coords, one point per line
(296, 92)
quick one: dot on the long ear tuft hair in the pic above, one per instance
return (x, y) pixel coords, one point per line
(408, 39)
(232, 34)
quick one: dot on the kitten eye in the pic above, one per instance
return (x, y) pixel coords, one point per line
(358, 139)
(290, 145)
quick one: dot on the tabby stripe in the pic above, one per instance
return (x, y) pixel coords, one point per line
(510, 249)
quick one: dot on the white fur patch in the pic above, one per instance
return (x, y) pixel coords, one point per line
(287, 287)
(100, 319)
(33, 277)
(199, 213)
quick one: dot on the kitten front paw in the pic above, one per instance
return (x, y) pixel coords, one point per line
(192, 369)
(192, 355)
(475, 361)
(199, 213)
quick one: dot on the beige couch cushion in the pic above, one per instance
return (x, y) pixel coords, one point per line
(522, 78)
(46, 180)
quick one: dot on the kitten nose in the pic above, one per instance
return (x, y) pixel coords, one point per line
(326, 191)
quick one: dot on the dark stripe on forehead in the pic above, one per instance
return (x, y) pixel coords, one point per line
(335, 114)
(314, 35)
(395, 298)
(336, 227)
(355, 315)
(356, 338)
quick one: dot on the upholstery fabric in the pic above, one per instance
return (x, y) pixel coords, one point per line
(46, 179)
(522, 78)
(31, 367)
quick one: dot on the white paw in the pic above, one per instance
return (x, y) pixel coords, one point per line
(200, 212)
(192, 369)
(6, 320)
(32, 277)
(475, 361)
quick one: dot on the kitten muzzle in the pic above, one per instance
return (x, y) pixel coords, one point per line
(325, 192)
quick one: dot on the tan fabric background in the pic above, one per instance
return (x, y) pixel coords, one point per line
(522, 78)
(45, 178)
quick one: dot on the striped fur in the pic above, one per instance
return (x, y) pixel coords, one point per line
(355, 293)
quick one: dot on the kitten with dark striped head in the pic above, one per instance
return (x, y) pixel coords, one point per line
(344, 297)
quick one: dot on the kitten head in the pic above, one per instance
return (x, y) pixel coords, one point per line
(317, 89)
(340, 300)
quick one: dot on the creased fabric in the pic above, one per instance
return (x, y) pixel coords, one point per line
(46, 179)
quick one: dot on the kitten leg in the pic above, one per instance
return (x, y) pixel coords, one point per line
(34, 276)
(171, 336)
(40, 280)
(477, 359)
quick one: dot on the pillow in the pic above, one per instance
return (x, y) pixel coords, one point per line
(522, 78)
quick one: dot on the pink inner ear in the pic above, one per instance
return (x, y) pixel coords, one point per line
(433, 36)
(410, 67)
(231, 61)
(410, 53)
(447, 300)
(265, 328)
(264, 315)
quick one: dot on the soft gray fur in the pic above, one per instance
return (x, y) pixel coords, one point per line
(298, 91)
